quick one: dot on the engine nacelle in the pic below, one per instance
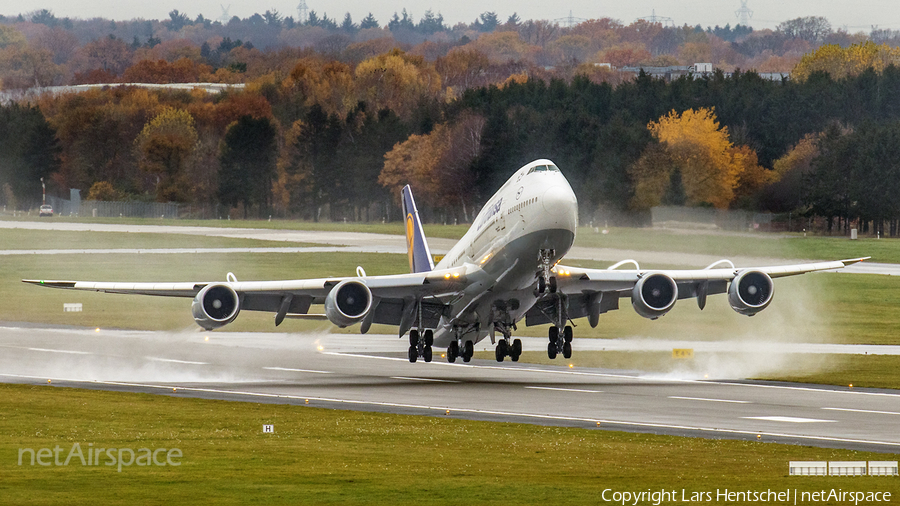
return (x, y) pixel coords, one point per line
(654, 295)
(215, 306)
(750, 292)
(348, 302)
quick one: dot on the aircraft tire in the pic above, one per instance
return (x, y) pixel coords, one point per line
(452, 352)
(413, 354)
(554, 334)
(427, 354)
(567, 350)
(429, 337)
(413, 337)
(567, 333)
(499, 356)
(551, 350)
(469, 351)
(516, 350)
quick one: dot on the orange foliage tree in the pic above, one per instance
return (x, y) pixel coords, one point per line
(694, 163)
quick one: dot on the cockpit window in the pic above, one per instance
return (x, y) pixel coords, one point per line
(543, 168)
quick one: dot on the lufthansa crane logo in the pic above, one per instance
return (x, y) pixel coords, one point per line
(410, 238)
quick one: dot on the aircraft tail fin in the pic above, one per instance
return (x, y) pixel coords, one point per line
(416, 245)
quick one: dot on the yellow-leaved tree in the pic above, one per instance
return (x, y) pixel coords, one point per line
(398, 81)
(694, 163)
(843, 62)
(165, 149)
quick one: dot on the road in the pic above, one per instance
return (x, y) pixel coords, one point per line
(370, 373)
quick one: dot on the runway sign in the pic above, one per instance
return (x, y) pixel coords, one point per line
(268, 429)
(72, 307)
(682, 353)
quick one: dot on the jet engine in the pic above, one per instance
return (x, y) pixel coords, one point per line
(348, 302)
(750, 292)
(654, 295)
(215, 306)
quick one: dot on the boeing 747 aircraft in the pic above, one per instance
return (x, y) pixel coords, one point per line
(504, 269)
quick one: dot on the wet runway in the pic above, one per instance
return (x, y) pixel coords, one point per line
(370, 373)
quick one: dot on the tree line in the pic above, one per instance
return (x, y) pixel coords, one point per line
(39, 49)
(329, 140)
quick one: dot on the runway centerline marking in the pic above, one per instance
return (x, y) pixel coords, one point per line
(288, 369)
(70, 352)
(424, 379)
(864, 411)
(707, 400)
(174, 361)
(788, 419)
(568, 390)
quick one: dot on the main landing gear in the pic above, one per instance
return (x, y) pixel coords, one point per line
(506, 349)
(560, 342)
(420, 345)
(454, 351)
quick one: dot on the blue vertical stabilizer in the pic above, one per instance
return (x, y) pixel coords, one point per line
(416, 246)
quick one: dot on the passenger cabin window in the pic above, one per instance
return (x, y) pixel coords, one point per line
(543, 168)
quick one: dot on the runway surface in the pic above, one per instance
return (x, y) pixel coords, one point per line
(370, 373)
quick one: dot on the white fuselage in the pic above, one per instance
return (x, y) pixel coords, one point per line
(534, 210)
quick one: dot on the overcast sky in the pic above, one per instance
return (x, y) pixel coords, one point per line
(855, 16)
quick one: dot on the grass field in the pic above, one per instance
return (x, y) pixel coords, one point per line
(17, 239)
(757, 244)
(323, 456)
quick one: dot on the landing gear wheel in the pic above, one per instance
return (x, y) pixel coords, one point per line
(554, 335)
(413, 354)
(429, 338)
(501, 352)
(567, 350)
(413, 337)
(567, 334)
(427, 354)
(552, 284)
(542, 285)
(516, 350)
(452, 352)
(468, 351)
(551, 350)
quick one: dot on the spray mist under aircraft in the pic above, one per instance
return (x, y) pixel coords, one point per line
(505, 269)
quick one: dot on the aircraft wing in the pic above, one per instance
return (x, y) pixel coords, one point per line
(592, 292)
(393, 296)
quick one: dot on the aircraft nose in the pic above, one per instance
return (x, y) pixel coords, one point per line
(559, 200)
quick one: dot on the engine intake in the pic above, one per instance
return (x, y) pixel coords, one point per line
(654, 295)
(215, 306)
(750, 292)
(348, 302)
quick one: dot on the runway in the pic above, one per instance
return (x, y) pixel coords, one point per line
(370, 373)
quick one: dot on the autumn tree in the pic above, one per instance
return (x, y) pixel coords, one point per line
(396, 81)
(438, 165)
(694, 158)
(842, 62)
(165, 149)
